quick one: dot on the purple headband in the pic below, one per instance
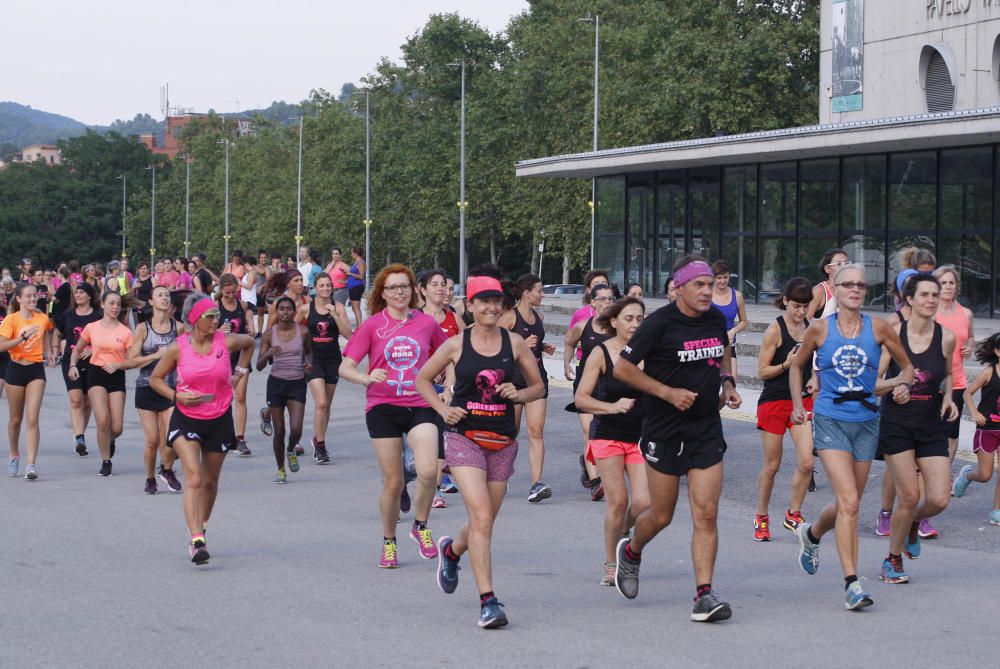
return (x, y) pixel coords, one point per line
(692, 271)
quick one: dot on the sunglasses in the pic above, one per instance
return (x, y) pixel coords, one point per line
(211, 314)
(851, 285)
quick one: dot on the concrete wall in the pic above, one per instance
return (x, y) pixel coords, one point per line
(895, 33)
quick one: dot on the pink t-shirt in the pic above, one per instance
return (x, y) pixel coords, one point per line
(582, 314)
(205, 374)
(185, 282)
(401, 349)
(167, 279)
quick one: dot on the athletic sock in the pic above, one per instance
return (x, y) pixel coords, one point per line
(893, 558)
(198, 537)
(809, 535)
(450, 554)
(420, 524)
(484, 597)
(320, 443)
(80, 437)
(630, 554)
(702, 589)
(850, 579)
(388, 540)
(239, 437)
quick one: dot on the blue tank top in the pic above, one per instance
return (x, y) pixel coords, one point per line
(730, 311)
(848, 369)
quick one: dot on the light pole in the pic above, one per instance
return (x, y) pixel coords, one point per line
(124, 196)
(596, 20)
(368, 192)
(152, 223)
(298, 207)
(462, 202)
(225, 236)
(187, 206)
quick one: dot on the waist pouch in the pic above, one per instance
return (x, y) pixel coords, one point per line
(491, 441)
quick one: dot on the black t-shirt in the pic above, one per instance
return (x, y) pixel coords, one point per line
(71, 324)
(681, 352)
(62, 300)
(205, 278)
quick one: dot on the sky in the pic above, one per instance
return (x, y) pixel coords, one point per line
(102, 60)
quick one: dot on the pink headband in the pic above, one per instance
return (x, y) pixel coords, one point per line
(692, 271)
(199, 309)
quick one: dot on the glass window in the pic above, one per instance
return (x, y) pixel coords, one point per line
(864, 195)
(611, 205)
(869, 252)
(610, 255)
(640, 207)
(966, 210)
(703, 199)
(777, 198)
(740, 252)
(740, 199)
(777, 265)
(819, 195)
(811, 250)
(913, 198)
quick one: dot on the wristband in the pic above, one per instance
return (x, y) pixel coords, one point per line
(242, 371)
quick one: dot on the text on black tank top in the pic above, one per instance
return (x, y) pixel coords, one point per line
(589, 339)
(777, 388)
(929, 370)
(323, 334)
(476, 379)
(625, 427)
(989, 401)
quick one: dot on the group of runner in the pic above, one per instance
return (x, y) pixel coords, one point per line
(450, 381)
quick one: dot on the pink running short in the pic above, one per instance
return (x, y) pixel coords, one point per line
(986, 441)
(460, 451)
(599, 449)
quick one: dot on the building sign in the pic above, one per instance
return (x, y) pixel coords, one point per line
(848, 54)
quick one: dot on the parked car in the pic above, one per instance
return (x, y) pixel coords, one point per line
(564, 289)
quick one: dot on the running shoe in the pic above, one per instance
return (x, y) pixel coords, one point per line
(995, 517)
(608, 578)
(31, 474)
(708, 609)
(404, 501)
(388, 558)
(321, 455)
(424, 541)
(242, 449)
(199, 553)
(584, 476)
(911, 547)
(491, 614)
(925, 530)
(81, 447)
(105, 468)
(808, 551)
(855, 598)
(793, 519)
(626, 573)
(892, 571)
(257, 336)
(293, 462)
(265, 422)
(281, 477)
(761, 528)
(447, 485)
(812, 482)
(169, 479)
(538, 492)
(596, 490)
(438, 501)
(299, 450)
(961, 482)
(12, 466)
(150, 488)
(447, 573)
(883, 523)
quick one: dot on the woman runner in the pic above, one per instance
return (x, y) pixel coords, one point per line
(285, 345)
(729, 301)
(397, 342)
(291, 284)
(774, 407)
(356, 283)
(527, 322)
(326, 322)
(149, 343)
(987, 417)
(201, 427)
(86, 310)
(109, 342)
(24, 335)
(616, 428)
(958, 319)
(824, 302)
(338, 269)
(480, 443)
(848, 345)
(236, 317)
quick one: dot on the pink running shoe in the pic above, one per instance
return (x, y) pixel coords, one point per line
(926, 530)
(423, 539)
(438, 502)
(388, 557)
(882, 525)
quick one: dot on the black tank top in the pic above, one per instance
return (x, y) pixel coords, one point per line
(625, 427)
(989, 402)
(323, 334)
(929, 370)
(237, 318)
(777, 388)
(525, 329)
(589, 340)
(144, 289)
(476, 380)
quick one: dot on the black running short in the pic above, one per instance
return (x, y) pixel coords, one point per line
(328, 370)
(21, 375)
(356, 292)
(672, 456)
(282, 391)
(388, 421)
(148, 399)
(82, 366)
(98, 378)
(216, 435)
(4, 361)
(927, 440)
(951, 429)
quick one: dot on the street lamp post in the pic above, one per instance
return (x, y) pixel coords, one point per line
(152, 220)
(368, 190)
(225, 236)
(187, 206)
(124, 200)
(596, 20)
(298, 206)
(462, 202)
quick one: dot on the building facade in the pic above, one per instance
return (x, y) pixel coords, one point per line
(40, 153)
(906, 154)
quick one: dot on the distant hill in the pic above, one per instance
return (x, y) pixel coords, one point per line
(21, 125)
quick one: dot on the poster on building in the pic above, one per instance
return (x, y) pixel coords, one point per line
(848, 54)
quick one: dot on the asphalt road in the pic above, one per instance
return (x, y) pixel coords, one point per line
(97, 574)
